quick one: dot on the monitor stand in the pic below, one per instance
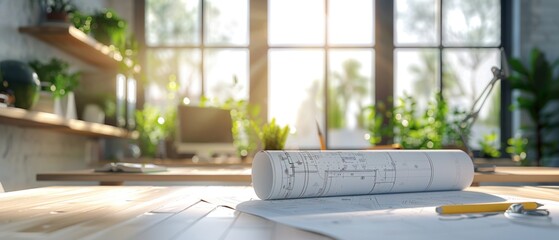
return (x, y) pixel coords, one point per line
(207, 152)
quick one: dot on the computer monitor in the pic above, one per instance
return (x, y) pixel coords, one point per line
(204, 131)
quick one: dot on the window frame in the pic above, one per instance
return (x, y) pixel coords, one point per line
(202, 46)
(384, 51)
(385, 35)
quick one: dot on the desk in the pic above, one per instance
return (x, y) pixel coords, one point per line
(241, 174)
(238, 174)
(141, 212)
(519, 174)
(132, 212)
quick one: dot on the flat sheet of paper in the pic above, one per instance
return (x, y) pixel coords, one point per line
(403, 216)
(297, 174)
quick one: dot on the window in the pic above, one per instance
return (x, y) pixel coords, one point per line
(321, 61)
(313, 62)
(449, 46)
(196, 48)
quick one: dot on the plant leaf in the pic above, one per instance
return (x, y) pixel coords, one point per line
(519, 83)
(517, 65)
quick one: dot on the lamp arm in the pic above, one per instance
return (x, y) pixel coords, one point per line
(472, 116)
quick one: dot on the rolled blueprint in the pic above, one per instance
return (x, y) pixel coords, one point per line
(300, 174)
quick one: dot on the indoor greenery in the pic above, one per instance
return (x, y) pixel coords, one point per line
(110, 29)
(154, 127)
(434, 128)
(490, 145)
(539, 98)
(249, 134)
(105, 26)
(273, 136)
(56, 74)
(245, 122)
(58, 9)
(517, 149)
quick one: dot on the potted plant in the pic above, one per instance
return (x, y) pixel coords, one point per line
(56, 78)
(538, 87)
(156, 129)
(110, 29)
(435, 128)
(58, 10)
(273, 136)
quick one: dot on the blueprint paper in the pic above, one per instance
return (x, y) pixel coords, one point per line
(403, 216)
(300, 174)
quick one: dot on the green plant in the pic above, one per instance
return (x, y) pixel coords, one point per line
(245, 122)
(273, 136)
(517, 149)
(81, 21)
(539, 90)
(56, 73)
(406, 126)
(244, 116)
(154, 126)
(110, 29)
(434, 128)
(376, 123)
(490, 145)
(59, 6)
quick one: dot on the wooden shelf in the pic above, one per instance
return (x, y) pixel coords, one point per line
(77, 43)
(24, 118)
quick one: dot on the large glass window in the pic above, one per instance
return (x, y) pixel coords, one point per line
(320, 70)
(319, 56)
(449, 46)
(196, 48)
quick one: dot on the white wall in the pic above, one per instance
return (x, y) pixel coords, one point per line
(25, 152)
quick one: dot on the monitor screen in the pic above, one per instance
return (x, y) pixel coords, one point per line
(204, 131)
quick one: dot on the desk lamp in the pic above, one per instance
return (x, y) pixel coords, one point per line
(469, 120)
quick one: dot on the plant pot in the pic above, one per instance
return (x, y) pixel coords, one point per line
(57, 17)
(93, 113)
(61, 106)
(66, 106)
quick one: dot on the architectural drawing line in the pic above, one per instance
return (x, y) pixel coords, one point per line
(432, 172)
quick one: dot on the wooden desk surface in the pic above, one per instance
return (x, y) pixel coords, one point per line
(239, 174)
(519, 174)
(131, 212)
(242, 174)
(134, 212)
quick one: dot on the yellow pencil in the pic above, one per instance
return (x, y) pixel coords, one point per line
(320, 137)
(482, 207)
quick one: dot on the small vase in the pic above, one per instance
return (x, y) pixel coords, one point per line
(65, 106)
(70, 111)
(93, 113)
